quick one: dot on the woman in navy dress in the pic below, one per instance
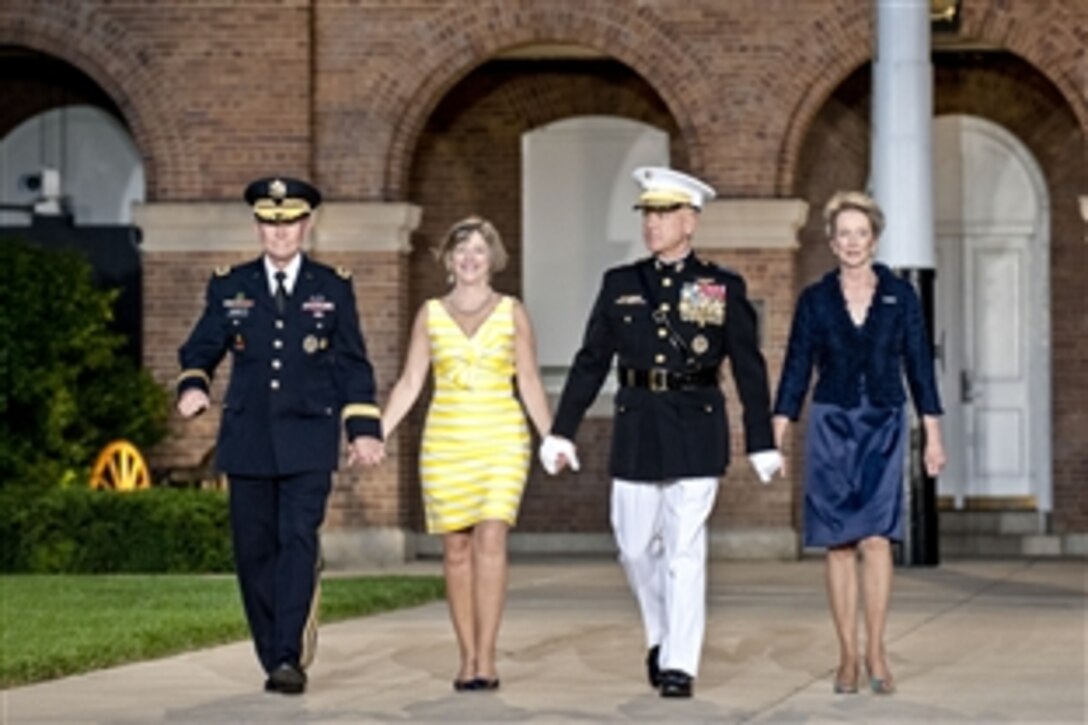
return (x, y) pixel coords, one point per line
(861, 327)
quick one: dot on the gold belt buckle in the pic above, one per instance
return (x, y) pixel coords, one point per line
(659, 380)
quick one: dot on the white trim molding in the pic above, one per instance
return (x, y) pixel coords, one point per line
(1084, 211)
(195, 227)
(366, 227)
(229, 227)
(751, 224)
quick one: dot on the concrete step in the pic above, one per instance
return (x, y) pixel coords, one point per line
(993, 522)
(1007, 545)
(1013, 533)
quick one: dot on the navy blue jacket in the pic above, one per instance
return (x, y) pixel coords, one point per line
(664, 435)
(891, 341)
(294, 376)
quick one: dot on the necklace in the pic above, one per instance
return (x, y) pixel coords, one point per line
(470, 312)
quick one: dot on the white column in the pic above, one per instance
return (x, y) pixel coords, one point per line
(902, 167)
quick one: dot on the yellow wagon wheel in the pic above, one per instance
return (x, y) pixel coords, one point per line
(120, 467)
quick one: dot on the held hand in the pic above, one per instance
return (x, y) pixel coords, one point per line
(934, 457)
(557, 453)
(366, 450)
(193, 402)
(766, 464)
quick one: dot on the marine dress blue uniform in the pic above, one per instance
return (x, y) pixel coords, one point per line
(856, 432)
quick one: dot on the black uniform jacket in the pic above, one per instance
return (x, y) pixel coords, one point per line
(672, 433)
(294, 376)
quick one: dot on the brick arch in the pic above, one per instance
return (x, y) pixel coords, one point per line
(106, 52)
(1048, 43)
(471, 35)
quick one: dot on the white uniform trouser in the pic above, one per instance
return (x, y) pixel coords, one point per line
(660, 529)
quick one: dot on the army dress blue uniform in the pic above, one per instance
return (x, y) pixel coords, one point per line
(297, 376)
(670, 326)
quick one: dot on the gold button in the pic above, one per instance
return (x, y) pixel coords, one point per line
(664, 307)
(277, 344)
(710, 408)
(279, 324)
(661, 332)
(659, 358)
(667, 282)
(275, 384)
(276, 364)
(626, 318)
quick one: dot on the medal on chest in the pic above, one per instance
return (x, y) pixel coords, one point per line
(702, 302)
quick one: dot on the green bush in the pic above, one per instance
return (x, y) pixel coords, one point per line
(80, 531)
(67, 389)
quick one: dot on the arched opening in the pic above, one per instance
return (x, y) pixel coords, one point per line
(469, 160)
(63, 121)
(69, 172)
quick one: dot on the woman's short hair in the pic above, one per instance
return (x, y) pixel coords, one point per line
(853, 201)
(464, 229)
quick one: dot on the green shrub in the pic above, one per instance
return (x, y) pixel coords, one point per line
(66, 389)
(80, 531)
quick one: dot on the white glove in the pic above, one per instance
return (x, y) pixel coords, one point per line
(766, 464)
(551, 448)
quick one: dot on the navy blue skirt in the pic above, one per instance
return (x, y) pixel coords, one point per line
(853, 473)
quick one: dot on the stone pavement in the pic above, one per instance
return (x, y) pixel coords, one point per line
(970, 641)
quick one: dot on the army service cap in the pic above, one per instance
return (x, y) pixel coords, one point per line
(665, 188)
(281, 199)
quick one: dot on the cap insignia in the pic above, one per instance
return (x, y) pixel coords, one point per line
(277, 189)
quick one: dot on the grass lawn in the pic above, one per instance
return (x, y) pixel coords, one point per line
(52, 626)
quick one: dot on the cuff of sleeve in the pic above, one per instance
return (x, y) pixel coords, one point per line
(193, 378)
(362, 419)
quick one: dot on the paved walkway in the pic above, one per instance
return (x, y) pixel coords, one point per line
(969, 641)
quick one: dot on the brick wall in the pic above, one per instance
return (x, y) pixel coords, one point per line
(385, 100)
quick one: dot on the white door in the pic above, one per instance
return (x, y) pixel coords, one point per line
(992, 314)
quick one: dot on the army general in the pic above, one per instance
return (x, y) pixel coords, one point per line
(299, 368)
(671, 321)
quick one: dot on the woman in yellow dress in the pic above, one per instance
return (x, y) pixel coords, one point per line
(475, 450)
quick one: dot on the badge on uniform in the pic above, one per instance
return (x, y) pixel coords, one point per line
(310, 344)
(318, 306)
(699, 344)
(238, 306)
(630, 300)
(703, 302)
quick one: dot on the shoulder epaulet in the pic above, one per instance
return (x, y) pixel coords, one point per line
(344, 272)
(222, 270)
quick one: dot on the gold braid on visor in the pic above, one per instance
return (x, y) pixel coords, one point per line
(662, 198)
(288, 210)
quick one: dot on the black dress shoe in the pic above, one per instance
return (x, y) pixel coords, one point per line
(287, 679)
(482, 683)
(675, 683)
(464, 685)
(653, 669)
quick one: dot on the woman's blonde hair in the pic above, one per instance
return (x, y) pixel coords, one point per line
(464, 229)
(853, 201)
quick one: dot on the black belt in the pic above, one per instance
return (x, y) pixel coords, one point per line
(660, 379)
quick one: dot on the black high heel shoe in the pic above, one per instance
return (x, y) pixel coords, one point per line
(482, 683)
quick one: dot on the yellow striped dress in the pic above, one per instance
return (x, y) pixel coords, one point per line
(475, 449)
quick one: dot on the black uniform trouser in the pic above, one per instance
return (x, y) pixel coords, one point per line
(274, 524)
